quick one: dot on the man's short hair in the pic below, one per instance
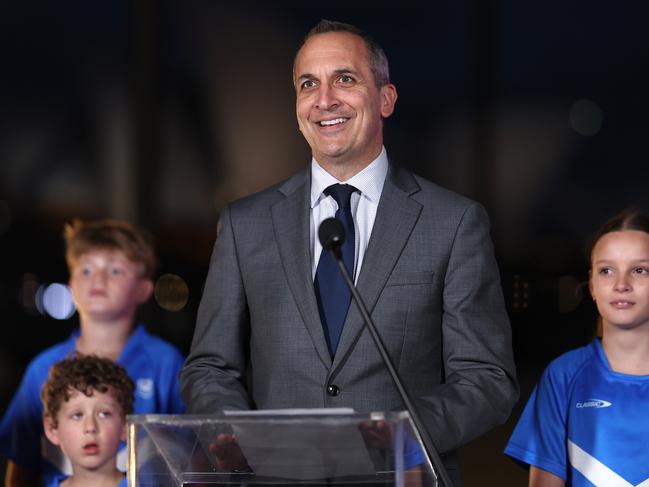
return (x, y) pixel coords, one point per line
(86, 374)
(377, 59)
(83, 237)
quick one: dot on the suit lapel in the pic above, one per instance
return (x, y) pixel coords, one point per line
(396, 217)
(291, 222)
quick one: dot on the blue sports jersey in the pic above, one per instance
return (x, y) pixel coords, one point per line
(151, 362)
(586, 423)
(56, 481)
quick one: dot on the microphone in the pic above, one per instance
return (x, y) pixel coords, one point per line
(332, 234)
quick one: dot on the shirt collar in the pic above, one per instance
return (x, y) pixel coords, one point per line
(369, 181)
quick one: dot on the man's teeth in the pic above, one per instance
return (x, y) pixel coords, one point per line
(333, 122)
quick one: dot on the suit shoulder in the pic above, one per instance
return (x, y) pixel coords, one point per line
(439, 204)
(438, 194)
(268, 196)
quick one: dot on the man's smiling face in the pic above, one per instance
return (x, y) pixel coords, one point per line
(340, 109)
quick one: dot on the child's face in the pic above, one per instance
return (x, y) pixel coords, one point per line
(107, 286)
(89, 430)
(619, 280)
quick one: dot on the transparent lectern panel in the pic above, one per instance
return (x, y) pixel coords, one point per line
(296, 447)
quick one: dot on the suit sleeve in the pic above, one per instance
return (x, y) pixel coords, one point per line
(479, 388)
(213, 378)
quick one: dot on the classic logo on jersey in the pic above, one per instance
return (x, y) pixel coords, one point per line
(145, 388)
(593, 403)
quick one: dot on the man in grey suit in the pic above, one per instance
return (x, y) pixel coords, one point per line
(422, 261)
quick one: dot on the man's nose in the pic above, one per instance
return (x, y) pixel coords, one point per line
(326, 99)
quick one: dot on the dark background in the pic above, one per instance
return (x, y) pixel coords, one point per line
(161, 111)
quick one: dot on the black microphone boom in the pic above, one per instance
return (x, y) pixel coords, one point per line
(332, 234)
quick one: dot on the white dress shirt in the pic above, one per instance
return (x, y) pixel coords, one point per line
(364, 203)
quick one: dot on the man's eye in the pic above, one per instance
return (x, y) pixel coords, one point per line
(307, 84)
(345, 78)
(641, 270)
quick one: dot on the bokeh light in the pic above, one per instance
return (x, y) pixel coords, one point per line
(171, 292)
(586, 117)
(57, 301)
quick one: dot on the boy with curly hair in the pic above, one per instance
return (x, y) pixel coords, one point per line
(86, 399)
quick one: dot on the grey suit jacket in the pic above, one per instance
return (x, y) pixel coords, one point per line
(430, 282)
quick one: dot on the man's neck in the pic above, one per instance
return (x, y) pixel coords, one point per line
(345, 169)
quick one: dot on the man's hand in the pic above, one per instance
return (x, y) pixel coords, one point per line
(228, 454)
(376, 434)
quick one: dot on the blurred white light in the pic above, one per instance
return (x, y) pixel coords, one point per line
(57, 301)
(38, 299)
(586, 117)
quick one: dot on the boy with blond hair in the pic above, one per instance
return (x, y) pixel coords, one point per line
(111, 265)
(86, 399)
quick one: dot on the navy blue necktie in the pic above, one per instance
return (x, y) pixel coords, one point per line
(332, 293)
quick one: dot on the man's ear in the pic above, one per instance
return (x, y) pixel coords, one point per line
(388, 99)
(51, 431)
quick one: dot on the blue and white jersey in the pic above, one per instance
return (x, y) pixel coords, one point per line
(586, 423)
(57, 481)
(152, 363)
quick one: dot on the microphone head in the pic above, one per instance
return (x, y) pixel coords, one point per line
(331, 233)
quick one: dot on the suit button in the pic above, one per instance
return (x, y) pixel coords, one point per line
(333, 390)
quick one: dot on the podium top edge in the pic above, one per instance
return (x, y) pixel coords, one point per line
(265, 415)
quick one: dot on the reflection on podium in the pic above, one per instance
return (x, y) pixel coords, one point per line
(275, 448)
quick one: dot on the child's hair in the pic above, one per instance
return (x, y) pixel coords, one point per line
(86, 374)
(83, 237)
(629, 219)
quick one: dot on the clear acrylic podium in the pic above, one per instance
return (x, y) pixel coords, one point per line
(276, 448)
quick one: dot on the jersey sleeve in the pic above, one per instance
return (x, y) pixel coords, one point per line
(539, 438)
(21, 427)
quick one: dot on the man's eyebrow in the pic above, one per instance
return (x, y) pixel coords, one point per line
(305, 76)
(337, 72)
(344, 71)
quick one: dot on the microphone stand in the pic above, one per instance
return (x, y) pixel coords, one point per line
(431, 451)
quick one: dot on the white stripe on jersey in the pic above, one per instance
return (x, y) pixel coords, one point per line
(595, 471)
